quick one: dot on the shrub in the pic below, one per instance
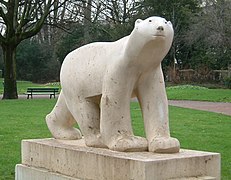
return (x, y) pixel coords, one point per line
(35, 62)
(227, 82)
(186, 87)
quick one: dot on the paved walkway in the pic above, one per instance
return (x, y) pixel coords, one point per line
(217, 107)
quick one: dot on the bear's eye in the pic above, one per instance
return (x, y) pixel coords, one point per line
(150, 20)
(165, 22)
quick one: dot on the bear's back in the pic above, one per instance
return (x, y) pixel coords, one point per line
(87, 65)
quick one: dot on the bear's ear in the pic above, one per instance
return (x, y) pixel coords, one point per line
(169, 22)
(138, 21)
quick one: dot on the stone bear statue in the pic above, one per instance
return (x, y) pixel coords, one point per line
(98, 81)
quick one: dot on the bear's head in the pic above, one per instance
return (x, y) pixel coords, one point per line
(154, 28)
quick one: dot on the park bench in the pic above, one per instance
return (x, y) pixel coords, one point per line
(52, 91)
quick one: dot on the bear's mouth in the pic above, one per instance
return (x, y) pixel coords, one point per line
(158, 35)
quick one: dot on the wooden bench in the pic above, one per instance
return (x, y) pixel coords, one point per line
(41, 91)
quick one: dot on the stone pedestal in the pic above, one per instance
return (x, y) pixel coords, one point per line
(52, 159)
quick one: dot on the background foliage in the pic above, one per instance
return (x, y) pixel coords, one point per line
(202, 33)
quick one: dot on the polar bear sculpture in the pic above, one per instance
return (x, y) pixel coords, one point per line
(98, 81)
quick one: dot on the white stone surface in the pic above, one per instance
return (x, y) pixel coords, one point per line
(30, 173)
(73, 158)
(197, 178)
(98, 81)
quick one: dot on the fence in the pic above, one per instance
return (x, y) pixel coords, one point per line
(191, 75)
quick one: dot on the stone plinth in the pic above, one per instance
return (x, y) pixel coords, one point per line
(71, 160)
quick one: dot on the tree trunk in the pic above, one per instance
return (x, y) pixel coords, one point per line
(87, 21)
(10, 86)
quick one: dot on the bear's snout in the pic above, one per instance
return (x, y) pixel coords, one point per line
(160, 28)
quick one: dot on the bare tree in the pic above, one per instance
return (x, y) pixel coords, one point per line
(87, 19)
(211, 34)
(19, 20)
(120, 11)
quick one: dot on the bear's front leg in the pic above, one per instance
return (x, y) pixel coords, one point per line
(115, 121)
(153, 101)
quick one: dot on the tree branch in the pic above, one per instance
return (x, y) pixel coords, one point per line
(2, 39)
(3, 15)
(38, 25)
(24, 16)
(15, 15)
(4, 2)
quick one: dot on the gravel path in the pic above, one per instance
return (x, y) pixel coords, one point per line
(217, 107)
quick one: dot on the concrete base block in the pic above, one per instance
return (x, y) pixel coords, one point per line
(73, 160)
(31, 173)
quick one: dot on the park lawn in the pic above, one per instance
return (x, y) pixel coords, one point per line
(23, 85)
(25, 119)
(196, 93)
(197, 130)
(20, 119)
(181, 92)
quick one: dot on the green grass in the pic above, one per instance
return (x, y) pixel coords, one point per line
(182, 92)
(20, 120)
(197, 130)
(24, 119)
(197, 93)
(23, 85)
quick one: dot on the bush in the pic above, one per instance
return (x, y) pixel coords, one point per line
(35, 62)
(187, 87)
(227, 82)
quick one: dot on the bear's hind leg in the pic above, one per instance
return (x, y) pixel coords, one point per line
(60, 121)
(87, 113)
